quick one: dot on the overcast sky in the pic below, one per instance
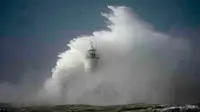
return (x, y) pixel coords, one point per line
(33, 32)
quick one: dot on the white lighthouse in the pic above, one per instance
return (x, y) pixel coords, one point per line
(91, 59)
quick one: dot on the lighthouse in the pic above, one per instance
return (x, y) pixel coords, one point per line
(91, 59)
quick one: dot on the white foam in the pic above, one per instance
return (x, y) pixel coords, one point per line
(136, 64)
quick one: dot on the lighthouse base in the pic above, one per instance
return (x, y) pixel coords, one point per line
(90, 64)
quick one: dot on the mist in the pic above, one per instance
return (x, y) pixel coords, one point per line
(137, 64)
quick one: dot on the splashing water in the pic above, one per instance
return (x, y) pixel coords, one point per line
(136, 65)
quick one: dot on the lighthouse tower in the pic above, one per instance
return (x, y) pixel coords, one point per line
(91, 59)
